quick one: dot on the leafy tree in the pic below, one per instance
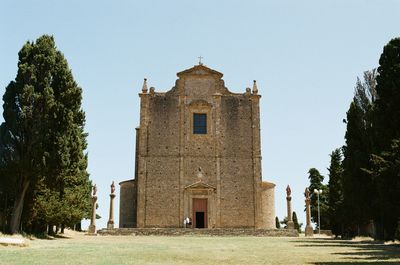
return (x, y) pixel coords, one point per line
(316, 180)
(335, 199)
(277, 224)
(296, 223)
(44, 139)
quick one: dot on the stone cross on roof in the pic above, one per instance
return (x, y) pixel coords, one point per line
(200, 57)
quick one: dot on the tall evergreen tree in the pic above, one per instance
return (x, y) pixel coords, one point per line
(7, 185)
(387, 105)
(387, 133)
(45, 138)
(335, 199)
(296, 223)
(358, 204)
(386, 170)
(316, 180)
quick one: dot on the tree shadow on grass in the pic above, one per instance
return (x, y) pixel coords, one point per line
(356, 262)
(361, 252)
(47, 237)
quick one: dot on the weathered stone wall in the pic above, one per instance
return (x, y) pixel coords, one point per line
(199, 86)
(163, 126)
(162, 163)
(237, 193)
(169, 154)
(237, 185)
(127, 204)
(236, 127)
(162, 193)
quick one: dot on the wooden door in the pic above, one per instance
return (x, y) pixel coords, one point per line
(199, 213)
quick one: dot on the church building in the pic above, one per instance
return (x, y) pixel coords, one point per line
(198, 156)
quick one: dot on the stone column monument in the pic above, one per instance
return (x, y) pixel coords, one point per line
(110, 223)
(309, 230)
(290, 224)
(92, 226)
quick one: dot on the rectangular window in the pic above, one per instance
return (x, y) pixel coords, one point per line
(199, 123)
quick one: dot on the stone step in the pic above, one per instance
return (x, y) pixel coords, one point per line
(204, 232)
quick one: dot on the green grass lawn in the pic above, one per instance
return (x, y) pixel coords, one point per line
(80, 249)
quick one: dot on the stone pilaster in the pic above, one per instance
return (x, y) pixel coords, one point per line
(217, 137)
(256, 142)
(182, 110)
(142, 157)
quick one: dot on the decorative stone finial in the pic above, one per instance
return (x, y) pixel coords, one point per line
(152, 90)
(307, 193)
(112, 187)
(288, 191)
(94, 190)
(248, 91)
(255, 89)
(144, 88)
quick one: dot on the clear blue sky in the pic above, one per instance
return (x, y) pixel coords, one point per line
(305, 56)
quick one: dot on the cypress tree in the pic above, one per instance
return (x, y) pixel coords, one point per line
(387, 134)
(387, 105)
(43, 116)
(296, 223)
(386, 170)
(335, 199)
(358, 186)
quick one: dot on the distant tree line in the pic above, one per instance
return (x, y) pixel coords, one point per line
(43, 178)
(363, 193)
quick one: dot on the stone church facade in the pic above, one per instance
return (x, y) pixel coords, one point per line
(198, 155)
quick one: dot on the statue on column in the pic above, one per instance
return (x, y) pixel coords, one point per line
(290, 224)
(110, 223)
(92, 226)
(309, 230)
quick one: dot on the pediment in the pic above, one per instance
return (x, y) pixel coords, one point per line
(199, 82)
(200, 185)
(201, 70)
